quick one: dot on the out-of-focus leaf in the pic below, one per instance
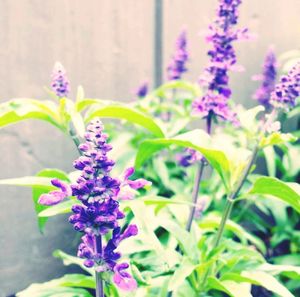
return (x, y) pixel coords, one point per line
(17, 110)
(237, 230)
(277, 138)
(196, 139)
(247, 118)
(69, 260)
(29, 181)
(233, 289)
(181, 273)
(127, 113)
(287, 270)
(287, 192)
(42, 290)
(269, 282)
(270, 157)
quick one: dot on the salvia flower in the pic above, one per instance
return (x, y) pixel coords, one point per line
(188, 157)
(221, 35)
(178, 63)
(268, 79)
(142, 90)
(287, 90)
(60, 83)
(98, 212)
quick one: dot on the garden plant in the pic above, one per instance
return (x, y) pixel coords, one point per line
(178, 210)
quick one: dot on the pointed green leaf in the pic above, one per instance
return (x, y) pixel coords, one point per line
(287, 192)
(61, 208)
(127, 113)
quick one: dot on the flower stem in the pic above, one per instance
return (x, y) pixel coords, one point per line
(75, 139)
(99, 281)
(229, 206)
(197, 181)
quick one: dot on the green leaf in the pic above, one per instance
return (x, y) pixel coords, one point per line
(270, 157)
(287, 192)
(277, 138)
(43, 290)
(233, 289)
(21, 109)
(61, 208)
(290, 271)
(196, 139)
(38, 191)
(127, 113)
(29, 181)
(69, 260)
(212, 221)
(269, 282)
(181, 273)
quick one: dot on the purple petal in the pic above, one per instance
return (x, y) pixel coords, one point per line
(66, 188)
(123, 279)
(139, 183)
(128, 172)
(51, 198)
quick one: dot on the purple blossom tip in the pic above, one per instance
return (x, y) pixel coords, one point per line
(123, 279)
(267, 78)
(142, 90)
(222, 34)
(287, 90)
(60, 83)
(177, 65)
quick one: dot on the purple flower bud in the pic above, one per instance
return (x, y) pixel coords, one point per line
(138, 183)
(52, 198)
(60, 83)
(89, 263)
(142, 90)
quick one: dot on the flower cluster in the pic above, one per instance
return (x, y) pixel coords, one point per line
(268, 79)
(142, 90)
(60, 83)
(222, 59)
(178, 64)
(99, 213)
(287, 90)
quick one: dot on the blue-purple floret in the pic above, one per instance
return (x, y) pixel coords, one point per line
(142, 90)
(221, 35)
(178, 63)
(268, 80)
(60, 83)
(287, 90)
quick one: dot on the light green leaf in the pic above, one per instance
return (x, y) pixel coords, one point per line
(277, 138)
(287, 192)
(29, 181)
(17, 110)
(127, 113)
(270, 157)
(212, 221)
(288, 270)
(269, 282)
(181, 273)
(233, 289)
(247, 118)
(69, 260)
(42, 290)
(196, 139)
(61, 208)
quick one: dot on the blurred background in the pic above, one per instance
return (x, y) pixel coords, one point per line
(108, 47)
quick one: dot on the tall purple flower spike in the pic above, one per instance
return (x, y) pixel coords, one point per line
(60, 83)
(98, 210)
(287, 90)
(221, 35)
(268, 79)
(178, 63)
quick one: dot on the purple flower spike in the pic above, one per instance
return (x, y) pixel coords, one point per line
(221, 35)
(178, 64)
(268, 79)
(287, 90)
(60, 83)
(123, 279)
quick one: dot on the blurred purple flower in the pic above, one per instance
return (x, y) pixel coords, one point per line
(142, 90)
(188, 157)
(60, 83)
(221, 35)
(178, 63)
(287, 90)
(268, 79)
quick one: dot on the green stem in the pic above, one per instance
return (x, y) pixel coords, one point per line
(229, 206)
(99, 281)
(75, 139)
